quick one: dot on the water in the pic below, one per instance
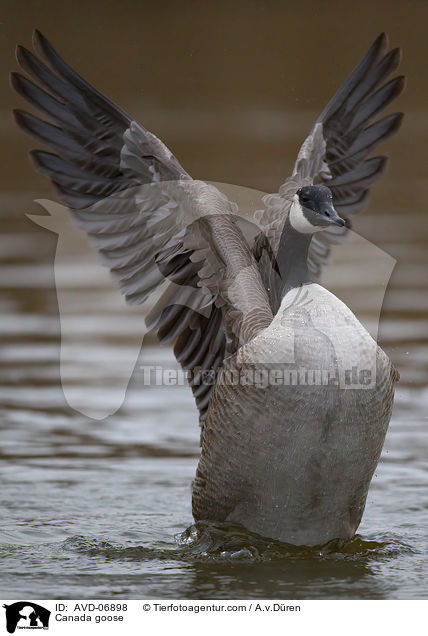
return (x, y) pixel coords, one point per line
(92, 508)
(101, 509)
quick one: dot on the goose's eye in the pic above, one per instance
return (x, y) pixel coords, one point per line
(304, 199)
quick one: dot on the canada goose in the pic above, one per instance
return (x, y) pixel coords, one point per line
(290, 459)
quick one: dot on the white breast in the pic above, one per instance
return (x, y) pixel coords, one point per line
(316, 322)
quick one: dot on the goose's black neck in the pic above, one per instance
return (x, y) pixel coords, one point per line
(292, 257)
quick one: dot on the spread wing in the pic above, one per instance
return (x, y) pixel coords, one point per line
(336, 154)
(149, 220)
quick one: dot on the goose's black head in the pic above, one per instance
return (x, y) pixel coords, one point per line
(312, 210)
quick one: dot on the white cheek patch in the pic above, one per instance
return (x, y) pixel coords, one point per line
(298, 220)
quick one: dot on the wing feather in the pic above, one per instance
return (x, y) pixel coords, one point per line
(126, 189)
(336, 154)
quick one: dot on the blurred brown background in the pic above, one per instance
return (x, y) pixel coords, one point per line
(231, 86)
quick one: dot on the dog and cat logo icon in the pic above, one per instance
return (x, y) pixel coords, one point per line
(26, 615)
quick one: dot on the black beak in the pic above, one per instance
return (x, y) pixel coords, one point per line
(328, 212)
